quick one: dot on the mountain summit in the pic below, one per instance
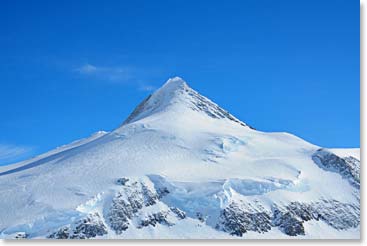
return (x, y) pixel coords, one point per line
(180, 166)
(176, 96)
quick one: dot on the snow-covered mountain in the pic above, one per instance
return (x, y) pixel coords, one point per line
(182, 167)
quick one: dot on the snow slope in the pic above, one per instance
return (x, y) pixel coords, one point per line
(182, 167)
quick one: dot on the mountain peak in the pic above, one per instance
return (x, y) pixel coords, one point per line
(171, 89)
(175, 83)
(176, 93)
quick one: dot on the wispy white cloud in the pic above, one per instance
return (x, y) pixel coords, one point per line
(147, 87)
(10, 152)
(87, 69)
(118, 74)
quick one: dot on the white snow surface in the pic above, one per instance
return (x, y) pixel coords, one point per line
(353, 152)
(207, 162)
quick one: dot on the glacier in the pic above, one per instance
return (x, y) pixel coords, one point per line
(181, 167)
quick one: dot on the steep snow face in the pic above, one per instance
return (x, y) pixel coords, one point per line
(182, 167)
(177, 97)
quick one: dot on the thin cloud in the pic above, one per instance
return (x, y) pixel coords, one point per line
(87, 69)
(147, 88)
(10, 152)
(121, 74)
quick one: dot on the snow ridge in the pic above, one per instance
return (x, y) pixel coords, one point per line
(176, 93)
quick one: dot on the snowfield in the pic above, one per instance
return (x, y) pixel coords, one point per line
(182, 167)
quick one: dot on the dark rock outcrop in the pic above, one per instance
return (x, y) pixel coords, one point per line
(156, 218)
(348, 167)
(288, 222)
(127, 203)
(140, 205)
(179, 213)
(122, 181)
(89, 227)
(341, 216)
(21, 235)
(237, 219)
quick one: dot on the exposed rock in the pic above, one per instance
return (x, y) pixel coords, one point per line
(303, 211)
(122, 181)
(138, 110)
(149, 197)
(201, 103)
(156, 218)
(62, 233)
(89, 227)
(200, 217)
(288, 222)
(120, 213)
(348, 167)
(20, 235)
(237, 219)
(341, 216)
(127, 203)
(179, 213)
(130, 205)
(162, 192)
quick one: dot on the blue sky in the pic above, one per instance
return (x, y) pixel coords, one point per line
(71, 68)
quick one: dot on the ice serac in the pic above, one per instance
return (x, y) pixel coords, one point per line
(180, 166)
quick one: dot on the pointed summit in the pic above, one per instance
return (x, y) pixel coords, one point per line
(171, 91)
(176, 95)
(174, 84)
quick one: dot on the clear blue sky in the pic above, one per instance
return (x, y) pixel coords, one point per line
(70, 68)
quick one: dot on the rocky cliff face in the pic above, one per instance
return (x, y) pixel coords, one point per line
(140, 203)
(348, 167)
(89, 227)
